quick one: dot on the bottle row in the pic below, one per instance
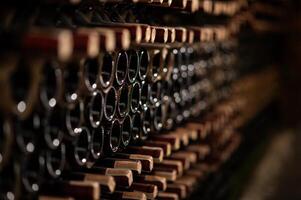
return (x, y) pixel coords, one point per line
(165, 166)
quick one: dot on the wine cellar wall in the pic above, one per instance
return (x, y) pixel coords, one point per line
(129, 99)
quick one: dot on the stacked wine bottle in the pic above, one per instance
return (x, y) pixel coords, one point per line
(101, 101)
